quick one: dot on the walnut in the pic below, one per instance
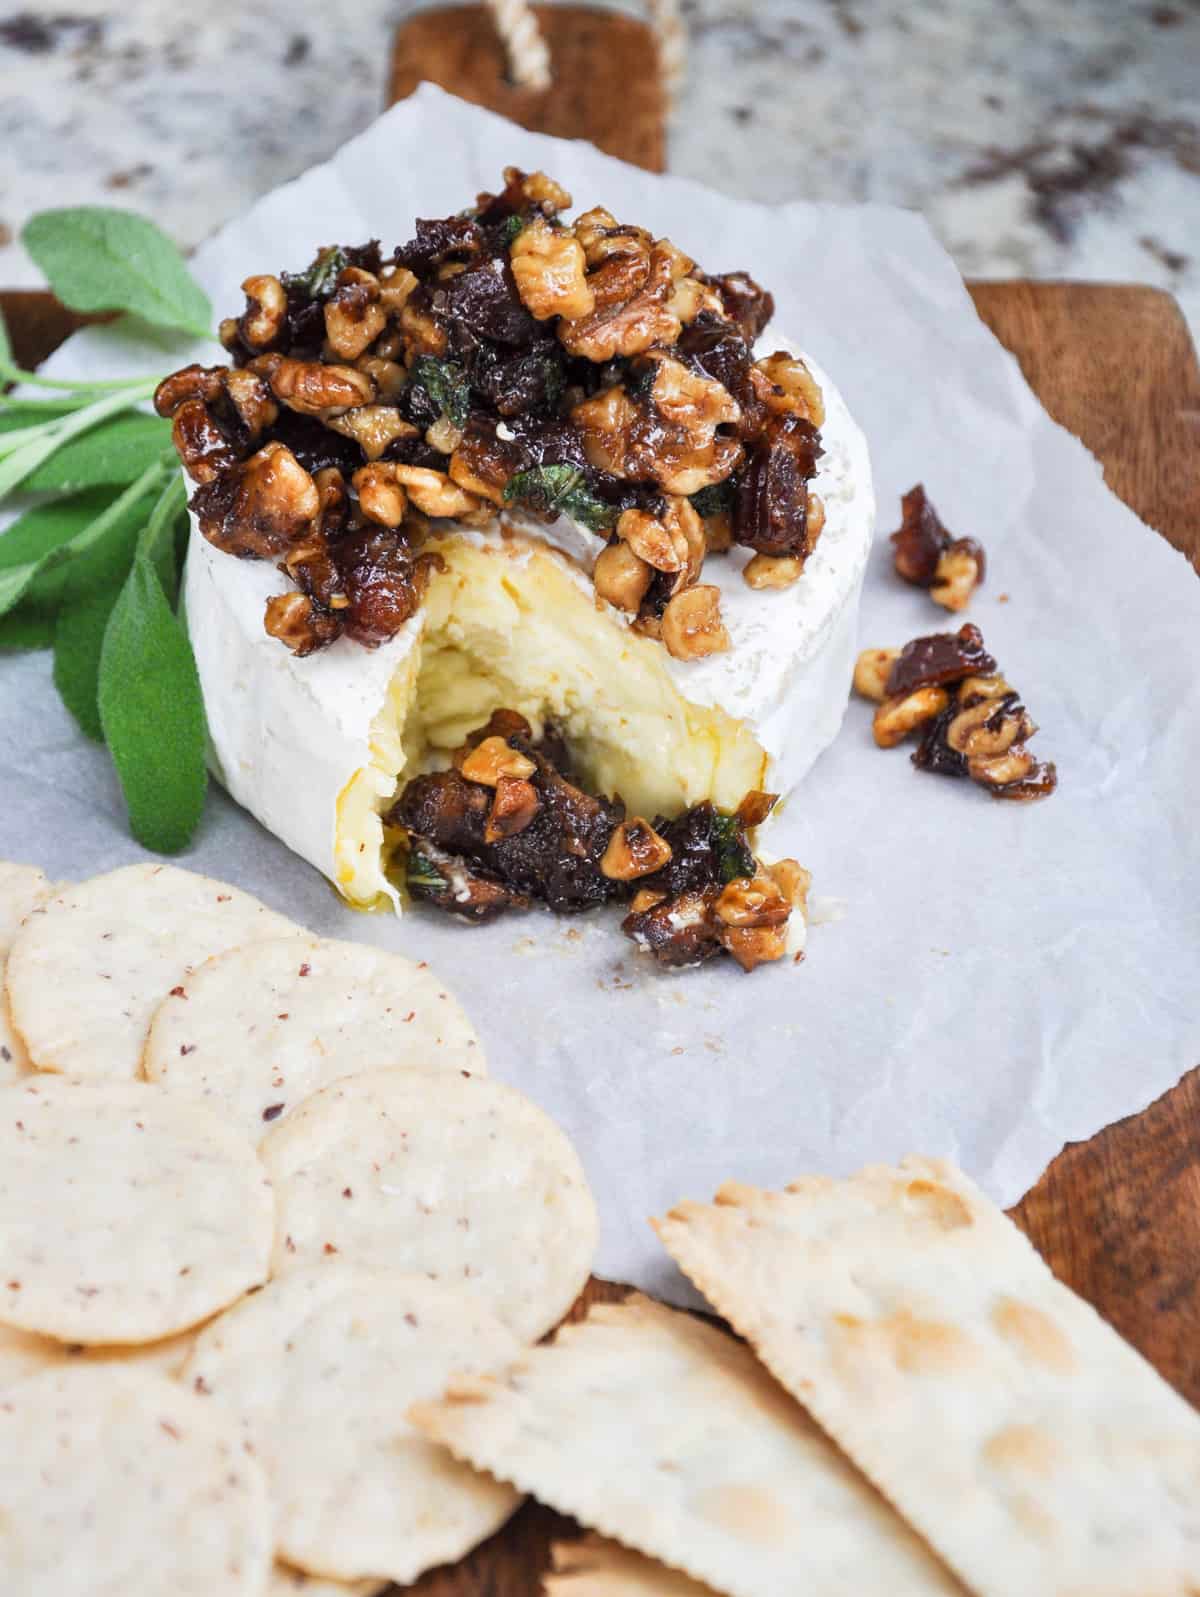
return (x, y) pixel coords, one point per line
(773, 571)
(793, 882)
(523, 189)
(634, 849)
(514, 807)
(635, 441)
(444, 436)
(296, 620)
(435, 494)
(753, 946)
(260, 507)
(902, 713)
(380, 497)
(395, 288)
(265, 314)
(928, 556)
(251, 398)
(312, 387)
(631, 289)
(422, 334)
(871, 672)
(621, 577)
(603, 238)
(989, 727)
(389, 377)
(354, 317)
(784, 384)
(491, 760)
(661, 546)
(691, 624)
(696, 404)
(753, 901)
(190, 382)
(373, 428)
(483, 462)
(199, 442)
(548, 265)
(646, 898)
(607, 422)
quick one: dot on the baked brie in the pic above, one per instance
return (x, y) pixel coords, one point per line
(533, 505)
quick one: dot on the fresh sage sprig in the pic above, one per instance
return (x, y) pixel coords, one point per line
(91, 567)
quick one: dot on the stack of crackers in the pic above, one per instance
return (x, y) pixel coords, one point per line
(275, 1253)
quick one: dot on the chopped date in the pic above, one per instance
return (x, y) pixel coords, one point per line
(940, 658)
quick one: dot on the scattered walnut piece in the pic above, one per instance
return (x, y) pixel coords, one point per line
(793, 882)
(621, 577)
(260, 507)
(492, 759)
(773, 571)
(300, 623)
(266, 311)
(373, 428)
(662, 547)
(753, 901)
(435, 494)
(381, 498)
(550, 270)
(784, 384)
(514, 807)
(635, 849)
(354, 317)
(753, 946)
(312, 387)
(928, 556)
(973, 722)
(691, 624)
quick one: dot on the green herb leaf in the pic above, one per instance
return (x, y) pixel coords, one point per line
(101, 259)
(152, 713)
(46, 527)
(163, 539)
(320, 279)
(117, 451)
(422, 874)
(6, 350)
(560, 491)
(711, 501)
(22, 414)
(510, 227)
(26, 629)
(25, 449)
(734, 855)
(78, 639)
(445, 381)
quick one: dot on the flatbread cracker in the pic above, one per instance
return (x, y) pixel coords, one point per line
(25, 1353)
(86, 973)
(116, 1482)
(126, 1215)
(1034, 1448)
(256, 1030)
(22, 889)
(437, 1173)
(322, 1367)
(595, 1567)
(662, 1432)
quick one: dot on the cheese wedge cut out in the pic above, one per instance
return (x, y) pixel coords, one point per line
(317, 748)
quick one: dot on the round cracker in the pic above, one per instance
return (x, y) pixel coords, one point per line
(22, 889)
(322, 1368)
(86, 974)
(256, 1030)
(126, 1215)
(119, 1481)
(25, 1353)
(442, 1174)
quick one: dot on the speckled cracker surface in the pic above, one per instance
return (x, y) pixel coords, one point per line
(86, 974)
(256, 1030)
(25, 1353)
(596, 1567)
(662, 1432)
(120, 1483)
(22, 889)
(1031, 1445)
(125, 1215)
(441, 1174)
(321, 1369)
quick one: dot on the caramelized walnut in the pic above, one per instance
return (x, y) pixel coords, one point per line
(773, 571)
(199, 442)
(634, 850)
(514, 807)
(300, 623)
(548, 265)
(435, 494)
(691, 624)
(631, 289)
(871, 672)
(902, 713)
(492, 759)
(374, 428)
(313, 388)
(928, 556)
(621, 578)
(753, 901)
(265, 314)
(259, 507)
(381, 498)
(354, 317)
(785, 386)
(753, 946)
(661, 545)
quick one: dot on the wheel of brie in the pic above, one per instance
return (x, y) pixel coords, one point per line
(526, 502)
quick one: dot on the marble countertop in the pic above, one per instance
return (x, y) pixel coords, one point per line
(1053, 138)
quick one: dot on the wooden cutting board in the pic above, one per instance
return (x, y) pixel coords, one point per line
(1117, 1218)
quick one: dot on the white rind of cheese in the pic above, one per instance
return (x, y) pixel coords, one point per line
(312, 747)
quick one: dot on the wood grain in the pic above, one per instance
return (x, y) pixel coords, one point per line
(605, 81)
(1118, 1217)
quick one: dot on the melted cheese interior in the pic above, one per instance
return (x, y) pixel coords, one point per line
(516, 626)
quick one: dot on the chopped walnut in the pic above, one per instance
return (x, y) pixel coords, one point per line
(313, 388)
(265, 313)
(492, 759)
(395, 289)
(301, 624)
(354, 317)
(784, 384)
(259, 507)
(989, 727)
(381, 497)
(928, 556)
(753, 901)
(514, 807)
(634, 850)
(621, 578)
(871, 672)
(753, 946)
(902, 713)
(633, 440)
(628, 319)
(696, 404)
(549, 267)
(443, 436)
(436, 495)
(200, 444)
(773, 571)
(793, 882)
(691, 624)
(422, 334)
(373, 427)
(660, 545)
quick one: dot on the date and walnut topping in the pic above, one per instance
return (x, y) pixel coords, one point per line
(971, 722)
(508, 826)
(504, 358)
(929, 556)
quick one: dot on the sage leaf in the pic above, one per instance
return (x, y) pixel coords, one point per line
(24, 450)
(152, 713)
(46, 527)
(560, 491)
(319, 280)
(115, 452)
(78, 639)
(97, 258)
(445, 381)
(6, 350)
(163, 539)
(711, 501)
(26, 629)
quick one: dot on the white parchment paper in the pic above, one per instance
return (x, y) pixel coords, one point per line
(1003, 978)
